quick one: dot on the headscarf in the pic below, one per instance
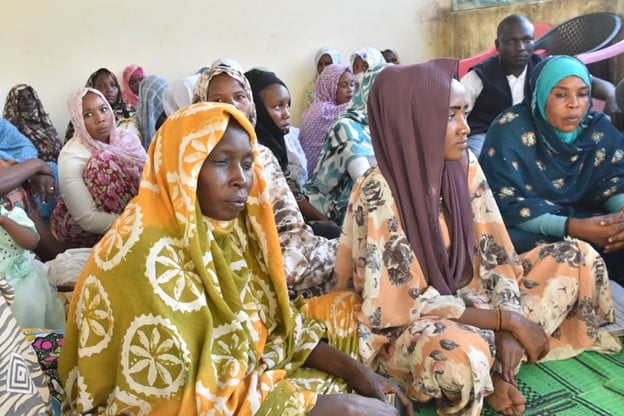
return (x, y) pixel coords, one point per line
(558, 69)
(231, 68)
(327, 50)
(150, 106)
(330, 184)
(533, 170)
(179, 93)
(315, 120)
(121, 143)
(408, 137)
(215, 315)
(14, 145)
(269, 134)
(34, 124)
(120, 108)
(373, 57)
(127, 95)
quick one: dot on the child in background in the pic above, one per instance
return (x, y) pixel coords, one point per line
(36, 304)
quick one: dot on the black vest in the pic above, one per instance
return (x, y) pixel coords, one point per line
(496, 95)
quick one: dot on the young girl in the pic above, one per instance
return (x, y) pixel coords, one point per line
(35, 304)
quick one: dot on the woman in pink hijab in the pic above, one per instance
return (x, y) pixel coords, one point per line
(132, 76)
(99, 171)
(334, 88)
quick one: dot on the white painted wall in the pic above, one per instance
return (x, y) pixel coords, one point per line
(55, 45)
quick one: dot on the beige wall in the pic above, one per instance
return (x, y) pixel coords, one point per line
(54, 46)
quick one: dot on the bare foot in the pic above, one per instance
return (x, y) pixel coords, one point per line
(506, 398)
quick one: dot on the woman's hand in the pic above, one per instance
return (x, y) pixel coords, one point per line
(509, 352)
(351, 405)
(361, 378)
(530, 335)
(368, 383)
(44, 186)
(604, 230)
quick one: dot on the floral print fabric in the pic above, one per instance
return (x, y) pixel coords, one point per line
(404, 325)
(111, 183)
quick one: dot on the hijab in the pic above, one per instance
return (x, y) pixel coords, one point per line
(316, 119)
(534, 169)
(231, 68)
(214, 292)
(150, 106)
(269, 134)
(121, 143)
(408, 137)
(327, 50)
(34, 124)
(120, 108)
(127, 95)
(549, 76)
(373, 57)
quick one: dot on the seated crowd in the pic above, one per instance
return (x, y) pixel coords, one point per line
(420, 237)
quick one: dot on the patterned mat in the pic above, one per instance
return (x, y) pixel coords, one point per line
(589, 384)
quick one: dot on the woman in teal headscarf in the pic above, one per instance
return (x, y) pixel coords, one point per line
(553, 164)
(346, 155)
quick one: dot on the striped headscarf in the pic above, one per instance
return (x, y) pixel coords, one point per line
(150, 106)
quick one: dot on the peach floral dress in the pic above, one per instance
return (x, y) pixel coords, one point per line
(405, 326)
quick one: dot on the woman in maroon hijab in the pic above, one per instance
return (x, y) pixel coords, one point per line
(448, 307)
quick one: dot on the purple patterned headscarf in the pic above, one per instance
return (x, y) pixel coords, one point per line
(315, 121)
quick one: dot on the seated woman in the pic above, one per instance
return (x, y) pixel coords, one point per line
(150, 112)
(99, 169)
(334, 88)
(346, 155)
(17, 148)
(364, 59)
(131, 78)
(24, 110)
(308, 258)
(272, 101)
(391, 56)
(325, 56)
(106, 82)
(442, 289)
(199, 244)
(556, 168)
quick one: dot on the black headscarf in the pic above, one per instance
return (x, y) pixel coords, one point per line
(269, 134)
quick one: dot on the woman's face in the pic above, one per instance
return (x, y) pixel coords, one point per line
(25, 100)
(225, 178)
(105, 83)
(567, 104)
(346, 87)
(97, 117)
(225, 89)
(276, 100)
(457, 128)
(359, 65)
(134, 82)
(323, 62)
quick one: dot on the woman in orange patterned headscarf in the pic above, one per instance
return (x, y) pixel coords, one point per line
(212, 329)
